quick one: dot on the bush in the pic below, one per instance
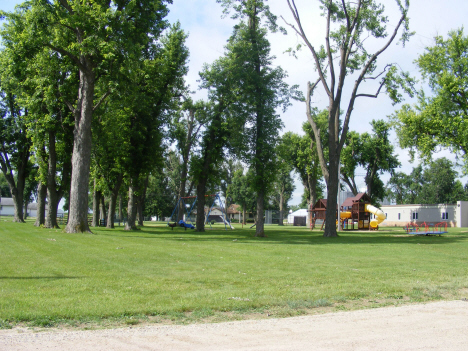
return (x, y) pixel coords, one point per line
(213, 221)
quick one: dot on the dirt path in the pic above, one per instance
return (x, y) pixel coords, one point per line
(434, 326)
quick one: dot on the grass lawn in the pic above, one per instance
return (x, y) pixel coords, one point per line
(157, 274)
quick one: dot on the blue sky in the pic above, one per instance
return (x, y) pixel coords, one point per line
(208, 33)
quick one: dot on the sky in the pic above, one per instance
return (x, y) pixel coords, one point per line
(208, 33)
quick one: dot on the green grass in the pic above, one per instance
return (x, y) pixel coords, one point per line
(48, 277)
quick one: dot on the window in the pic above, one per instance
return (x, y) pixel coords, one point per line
(415, 215)
(444, 215)
(399, 216)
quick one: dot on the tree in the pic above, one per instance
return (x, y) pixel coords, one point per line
(302, 153)
(434, 184)
(344, 53)
(439, 183)
(374, 153)
(261, 89)
(185, 128)
(98, 38)
(241, 192)
(439, 120)
(14, 147)
(157, 87)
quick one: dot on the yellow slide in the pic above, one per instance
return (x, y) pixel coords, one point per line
(378, 213)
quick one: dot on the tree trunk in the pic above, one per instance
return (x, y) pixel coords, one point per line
(141, 202)
(259, 227)
(281, 208)
(51, 217)
(26, 203)
(81, 157)
(183, 181)
(201, 190)
(96, 202)
(332, 189)
(103, 209)
(113, 203)
(41, 203)
(131, 207)
(120, 208)
(243, 215)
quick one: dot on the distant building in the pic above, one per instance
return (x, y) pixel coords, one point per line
(298, 217)
(7, 208)
(455, 215)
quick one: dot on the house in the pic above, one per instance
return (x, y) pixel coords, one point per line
(7, 208)
(216, 214)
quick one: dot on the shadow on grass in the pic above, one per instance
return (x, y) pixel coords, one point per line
(286, 236)
(34, 278)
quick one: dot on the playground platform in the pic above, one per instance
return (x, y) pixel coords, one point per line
(426, 228)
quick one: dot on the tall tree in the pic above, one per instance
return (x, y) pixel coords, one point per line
(157, 88)
(14, 147)
(98, 37)
(439, 120)
(344, 53)
(185, 129)
(262, 89)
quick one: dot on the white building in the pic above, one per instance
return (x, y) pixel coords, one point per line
(7, 208)
(300, 214)
(455, 215)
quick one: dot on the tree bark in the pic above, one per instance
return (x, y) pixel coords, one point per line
(96, 207)
(260, 227)
(41, 204)
(120, 208)
(113, 203)
(141, 202)
(103, 209)
(201, 191)
(281, 200)
(131, 207)
(81, 158)
(332, 189)
(52, 195)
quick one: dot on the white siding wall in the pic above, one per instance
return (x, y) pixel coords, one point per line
(424, 213)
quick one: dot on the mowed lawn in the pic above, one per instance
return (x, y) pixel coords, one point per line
(47, 276)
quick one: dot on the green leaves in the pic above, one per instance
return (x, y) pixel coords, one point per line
(439, 120)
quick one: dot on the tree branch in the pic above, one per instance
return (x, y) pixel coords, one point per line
(330, 58)
(315, 129)
(65, 4)
(302, 34)
(101, 100)
(67, 53)
(370, 95)
(361, 77)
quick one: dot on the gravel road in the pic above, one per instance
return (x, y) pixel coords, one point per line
(433, 326)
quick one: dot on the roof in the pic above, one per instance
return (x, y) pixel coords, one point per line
(234, 208)
(301, 212)
(321, 203)
(358, 198)
(8, 201)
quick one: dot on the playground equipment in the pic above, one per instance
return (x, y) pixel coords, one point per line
(426, 229)
(188, 211)
(380, 216)
(355, 213)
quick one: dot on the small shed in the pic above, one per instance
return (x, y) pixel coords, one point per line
(298, 217)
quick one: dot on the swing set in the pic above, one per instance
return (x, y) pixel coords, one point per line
(188, 210)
